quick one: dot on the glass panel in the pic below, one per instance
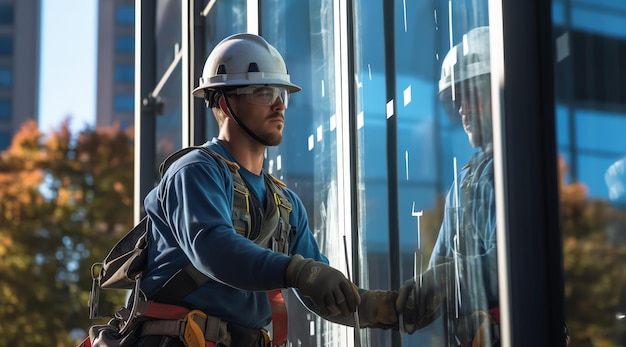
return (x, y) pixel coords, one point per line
(222, 19)
(6, 14)
(303, 32)
(125, 44)
(5, 109)
(6, 46)
(441, 113)
(590, 41)
(168, 43)
(372, 155)
(124, 73)
(125, 15)
(5, 139)
(123, 103)
(6, 77)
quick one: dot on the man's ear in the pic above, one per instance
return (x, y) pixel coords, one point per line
(221, 101)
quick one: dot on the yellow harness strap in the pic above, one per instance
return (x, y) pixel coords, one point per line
(194, 335)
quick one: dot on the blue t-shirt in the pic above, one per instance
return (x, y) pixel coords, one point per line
(191, 214)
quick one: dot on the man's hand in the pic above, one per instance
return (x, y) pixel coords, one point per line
(329, 289)
(378, 309)
(419, 304)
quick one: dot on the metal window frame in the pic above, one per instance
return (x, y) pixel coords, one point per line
(525, 157)
(145, 107)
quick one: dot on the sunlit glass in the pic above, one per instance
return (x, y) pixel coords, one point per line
(263, 95)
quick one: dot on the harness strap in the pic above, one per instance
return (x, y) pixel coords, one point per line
(192, 328)
(280, 323)
(86, 342)
(196, 328)
(189, 278)
(280, 240)
(151, 309)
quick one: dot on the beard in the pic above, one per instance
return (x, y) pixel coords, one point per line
(272, 138)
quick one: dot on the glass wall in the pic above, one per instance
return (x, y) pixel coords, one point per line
(370, 95)
(307, 36)
(590, 41)
(219, 19)
(407, 150)
(168, 41)
(389, 144)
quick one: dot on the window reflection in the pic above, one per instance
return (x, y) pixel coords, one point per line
(308, 152)
(168, 43)
(446, 206)
(373, 199)
(590, 37)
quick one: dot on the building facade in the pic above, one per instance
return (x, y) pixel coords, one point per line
(19, 65)
(116, 63)
(370, 151)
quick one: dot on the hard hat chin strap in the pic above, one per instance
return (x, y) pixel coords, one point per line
(241, 124)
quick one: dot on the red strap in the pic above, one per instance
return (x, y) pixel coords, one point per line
(164, 311)
(86, 343)
(280, 323)
(495, 313)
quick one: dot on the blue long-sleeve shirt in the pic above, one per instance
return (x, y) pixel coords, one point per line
(469, 241)
(191, 214)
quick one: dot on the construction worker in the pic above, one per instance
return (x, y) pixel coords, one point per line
(461, 283)
(195, 220)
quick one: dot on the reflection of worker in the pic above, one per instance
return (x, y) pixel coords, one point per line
(246, 84)
(461, 283)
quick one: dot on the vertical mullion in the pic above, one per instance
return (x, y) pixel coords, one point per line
(529, 237)
(145, 105)
(187, 24)
(392, 150)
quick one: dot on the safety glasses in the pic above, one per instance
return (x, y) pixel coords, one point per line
(262, 95)
(469, 93)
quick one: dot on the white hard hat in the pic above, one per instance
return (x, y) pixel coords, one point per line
(468, 59)
(241, 60)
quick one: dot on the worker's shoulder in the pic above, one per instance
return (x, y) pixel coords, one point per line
(196, 156)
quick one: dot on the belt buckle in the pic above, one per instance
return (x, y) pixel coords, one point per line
(193, 335)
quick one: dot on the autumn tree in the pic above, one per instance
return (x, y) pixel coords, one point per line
(65, 199)
(595, 275)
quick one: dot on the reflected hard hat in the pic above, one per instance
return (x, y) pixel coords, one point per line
(241, 60)
(468, 59)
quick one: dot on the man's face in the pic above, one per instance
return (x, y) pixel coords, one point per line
(473, 102)
(261, 109)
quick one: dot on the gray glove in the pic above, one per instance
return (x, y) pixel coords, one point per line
(329, 289)
(420, 305)
(378, 309)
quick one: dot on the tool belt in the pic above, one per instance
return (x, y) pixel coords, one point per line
(197, 329)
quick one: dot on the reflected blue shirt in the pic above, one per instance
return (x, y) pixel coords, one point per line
(470, 239)
(191, 214)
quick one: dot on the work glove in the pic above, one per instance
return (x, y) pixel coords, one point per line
(378, 309)
(329, 289)
(420, 304)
